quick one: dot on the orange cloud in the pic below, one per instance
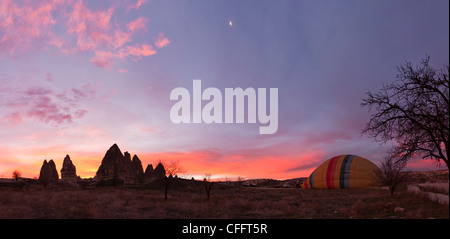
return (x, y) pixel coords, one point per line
(235, 164)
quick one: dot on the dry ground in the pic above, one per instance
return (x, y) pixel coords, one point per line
(225, 202)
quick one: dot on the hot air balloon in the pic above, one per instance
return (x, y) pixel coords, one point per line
(343, 171)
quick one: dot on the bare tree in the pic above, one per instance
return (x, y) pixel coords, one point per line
(413, 113)
(16, 175)
(208, 184)
(172, 169)
(391, 173)
(240, 180)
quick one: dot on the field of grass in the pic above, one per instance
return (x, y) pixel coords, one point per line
(225, 202)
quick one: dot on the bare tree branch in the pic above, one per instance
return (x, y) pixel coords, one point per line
(413, 112)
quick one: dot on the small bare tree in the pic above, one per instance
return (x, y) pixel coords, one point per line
(240, 180)
(208, 184)
(172, 169)
(391, 173)
(16, 175)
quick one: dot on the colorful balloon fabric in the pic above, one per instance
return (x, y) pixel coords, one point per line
(343, 171)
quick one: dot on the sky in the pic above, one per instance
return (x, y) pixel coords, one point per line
(77, 76)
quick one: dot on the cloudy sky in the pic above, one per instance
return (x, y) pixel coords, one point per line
(78, 76)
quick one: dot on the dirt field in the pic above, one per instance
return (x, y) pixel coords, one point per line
(225, 202)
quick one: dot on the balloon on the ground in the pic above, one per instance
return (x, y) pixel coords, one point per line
(343, 171)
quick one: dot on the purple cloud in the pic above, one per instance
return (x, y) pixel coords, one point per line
(46, 105)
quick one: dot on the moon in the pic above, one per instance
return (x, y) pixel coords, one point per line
(230, 23)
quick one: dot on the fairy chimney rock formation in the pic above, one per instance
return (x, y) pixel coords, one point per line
(129, 177)
(148, 171)
(48, 174)
(159, 171)
(137, 170)
(127, 157)
(116, 165)
(153, 174)
(68, 170)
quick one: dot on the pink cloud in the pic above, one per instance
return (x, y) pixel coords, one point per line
(120, 38)
(143, 50)
(105, 59)
(137, 24)
(50, 77)
(146, 130)
(80, 113)
(161, 41)
(45, 105)
(23, 26)
(45, 110)
(14, 119)
(56, 41)
(37, 91)
(93, 31)
(90, 28)
(80, 93)
(137, 5)
(31, 26)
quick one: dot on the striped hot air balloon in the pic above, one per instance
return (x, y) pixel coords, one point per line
(343, 171)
